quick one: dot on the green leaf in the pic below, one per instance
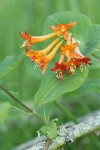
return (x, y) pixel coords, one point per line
(9, 64)
(7, 99)
(52, 88)
(50, 130)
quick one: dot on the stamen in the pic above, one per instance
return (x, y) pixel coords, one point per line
(35, 66)
(81, 68)
(67, 53)
(72, 64)
(62, 29)
(24, 44)
(57, 76)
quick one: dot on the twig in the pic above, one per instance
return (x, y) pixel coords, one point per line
(48, 144)
(67, 135)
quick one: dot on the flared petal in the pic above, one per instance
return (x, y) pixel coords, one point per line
(62, 29)
(70, 25)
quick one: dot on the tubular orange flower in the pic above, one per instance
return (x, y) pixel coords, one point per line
(41, 58)
(50, 56)
(29, 40)
(62, 29)
(67, 50)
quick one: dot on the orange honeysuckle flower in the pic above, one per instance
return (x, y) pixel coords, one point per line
(41, 58)
(29, 40)
(62, 29)
(75, 59)
(67, 50)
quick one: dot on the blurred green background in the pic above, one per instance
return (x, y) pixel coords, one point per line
(30, 15)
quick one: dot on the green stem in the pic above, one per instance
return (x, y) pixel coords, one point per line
(67, 113)
(15, 99)
(19, 102)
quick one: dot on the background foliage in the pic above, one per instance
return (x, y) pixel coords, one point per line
(16, 16)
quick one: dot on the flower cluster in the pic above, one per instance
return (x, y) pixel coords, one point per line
(71, 57)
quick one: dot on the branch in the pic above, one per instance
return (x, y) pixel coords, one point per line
(66, 133)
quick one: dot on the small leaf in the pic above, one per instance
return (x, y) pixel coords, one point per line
(52, 88)
(6, 99)
(50, 130)
(9, 64)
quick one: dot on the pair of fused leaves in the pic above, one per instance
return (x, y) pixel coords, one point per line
(88, 37)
